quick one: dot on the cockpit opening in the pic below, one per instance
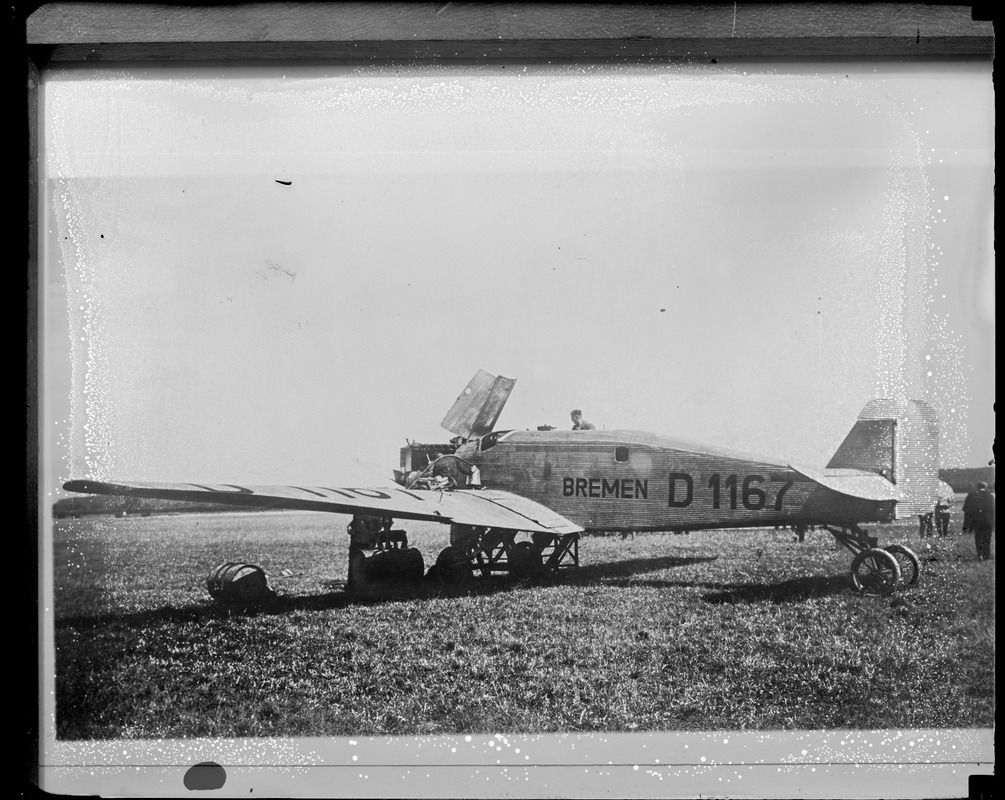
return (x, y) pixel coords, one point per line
(490, 440)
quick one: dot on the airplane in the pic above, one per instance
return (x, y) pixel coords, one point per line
(517, 501)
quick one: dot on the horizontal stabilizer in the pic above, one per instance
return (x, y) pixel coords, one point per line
(857, 483)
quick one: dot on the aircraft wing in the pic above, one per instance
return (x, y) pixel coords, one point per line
(482, 507)
(858, 483)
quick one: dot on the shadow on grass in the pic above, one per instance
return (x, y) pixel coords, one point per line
(791, 591)
(615, 572)
(610, 574)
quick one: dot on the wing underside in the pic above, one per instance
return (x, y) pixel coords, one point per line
(484, 507)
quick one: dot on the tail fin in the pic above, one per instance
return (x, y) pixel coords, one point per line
(476, 410)
(900, 441)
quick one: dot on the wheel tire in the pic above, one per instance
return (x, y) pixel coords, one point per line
(909, 563)
(450, 567)
(357, 581)
(412, 566)
(525, 560)
(399, 565)
(875, 572)
(542, 540)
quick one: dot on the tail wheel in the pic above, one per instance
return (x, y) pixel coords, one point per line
(875, 572)
(910, 565)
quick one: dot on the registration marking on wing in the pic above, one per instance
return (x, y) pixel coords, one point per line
(484, 508)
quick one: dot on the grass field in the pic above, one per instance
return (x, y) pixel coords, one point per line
(712, 630)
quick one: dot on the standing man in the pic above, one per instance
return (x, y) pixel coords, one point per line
(580, 424)
(943, 503)
(979, 517)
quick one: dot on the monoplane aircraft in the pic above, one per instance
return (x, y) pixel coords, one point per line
(518, 500)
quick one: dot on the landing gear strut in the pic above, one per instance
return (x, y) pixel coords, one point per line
(473, 551)
(877, 570)
(484, 551)
(394, 561)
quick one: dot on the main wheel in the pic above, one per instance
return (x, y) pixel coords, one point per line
(910, 565)
(357, 572)
(525, 560)
(398, 565)
(451, 566)
(875, 572)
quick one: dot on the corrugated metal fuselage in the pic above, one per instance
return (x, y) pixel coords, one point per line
(627, 480)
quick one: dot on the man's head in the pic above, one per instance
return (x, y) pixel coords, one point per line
(982, 486)
(576, 415)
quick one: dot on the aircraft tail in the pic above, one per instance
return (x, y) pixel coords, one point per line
(900, 441)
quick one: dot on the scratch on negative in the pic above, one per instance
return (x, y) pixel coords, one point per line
(734, 20)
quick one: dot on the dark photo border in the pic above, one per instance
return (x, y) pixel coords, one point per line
(117, 34)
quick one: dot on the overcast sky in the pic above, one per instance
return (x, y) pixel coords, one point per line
(277, 276)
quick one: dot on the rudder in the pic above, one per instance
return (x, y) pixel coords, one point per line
(900, 441)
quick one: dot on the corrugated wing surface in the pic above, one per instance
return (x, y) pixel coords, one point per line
(475, 411)
(496, 509)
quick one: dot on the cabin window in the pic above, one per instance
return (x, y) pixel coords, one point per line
(620, 453)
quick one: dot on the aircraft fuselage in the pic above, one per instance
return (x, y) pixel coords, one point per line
(630, 480)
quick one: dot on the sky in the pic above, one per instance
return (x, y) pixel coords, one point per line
(279, 275)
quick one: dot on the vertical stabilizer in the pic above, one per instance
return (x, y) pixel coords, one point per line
(477, 408)
(900, 441)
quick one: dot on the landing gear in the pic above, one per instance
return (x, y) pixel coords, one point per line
(525, 561)
(474, 550)
(910, 564)
(357, 581)
(451, 566)
(877, 571)
(393, 562)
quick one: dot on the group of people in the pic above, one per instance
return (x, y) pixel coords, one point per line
(938, 519)
(978, 517)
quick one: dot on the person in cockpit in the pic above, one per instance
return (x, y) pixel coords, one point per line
(580, 424)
